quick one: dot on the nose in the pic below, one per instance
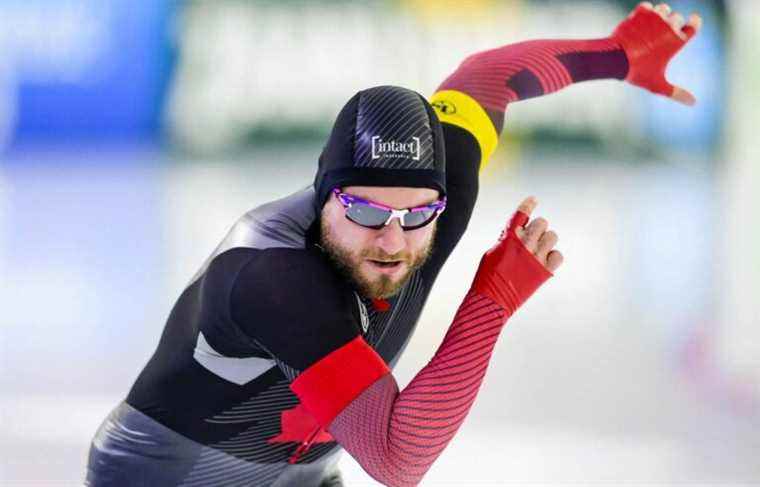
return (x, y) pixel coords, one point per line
(391, 237)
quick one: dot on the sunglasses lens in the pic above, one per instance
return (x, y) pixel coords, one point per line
(366, 215)
(417, 219)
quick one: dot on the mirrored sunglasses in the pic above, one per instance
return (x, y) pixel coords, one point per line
(375, 215)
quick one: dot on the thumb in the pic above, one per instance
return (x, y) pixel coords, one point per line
(522, 215)
(692, 27)
(689, 32)
(683, 95)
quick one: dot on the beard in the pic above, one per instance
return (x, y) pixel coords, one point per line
(348, 262)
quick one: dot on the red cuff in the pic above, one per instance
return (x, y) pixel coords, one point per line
(330, 385)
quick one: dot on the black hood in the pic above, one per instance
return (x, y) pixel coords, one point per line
(383, 136)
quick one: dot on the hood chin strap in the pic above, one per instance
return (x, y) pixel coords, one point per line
(381, 305)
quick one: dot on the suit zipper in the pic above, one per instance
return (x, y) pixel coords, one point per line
(304, 446)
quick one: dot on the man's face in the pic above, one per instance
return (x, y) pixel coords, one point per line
(378, 261)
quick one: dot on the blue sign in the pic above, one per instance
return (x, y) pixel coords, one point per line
(83, 69)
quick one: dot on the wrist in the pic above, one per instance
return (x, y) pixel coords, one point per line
(592, 59)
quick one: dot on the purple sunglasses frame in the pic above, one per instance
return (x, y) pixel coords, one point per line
(347, 199)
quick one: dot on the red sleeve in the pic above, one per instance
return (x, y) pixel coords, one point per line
(638, 51)
(524, 70)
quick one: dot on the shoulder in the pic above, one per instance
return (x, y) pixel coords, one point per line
(281, 275)
(281, 223)
(458, 109)
(294, 303)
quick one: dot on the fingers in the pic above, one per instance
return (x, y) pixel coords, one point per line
(684, 30)
(641, 6)
(683, 95)
(663, 9)
(533, 232)
(677, 22)
(540, 241)
(554, 260)
(546, 244)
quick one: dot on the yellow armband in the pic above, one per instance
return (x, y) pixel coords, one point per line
(462, 110)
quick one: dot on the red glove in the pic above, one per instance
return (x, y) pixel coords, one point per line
(650, 42)
(509, 273)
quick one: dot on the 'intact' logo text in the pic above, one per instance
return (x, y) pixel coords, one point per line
(394, 148)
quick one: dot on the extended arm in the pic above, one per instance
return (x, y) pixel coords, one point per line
(395, 436)
(472, 101)
(476, 95)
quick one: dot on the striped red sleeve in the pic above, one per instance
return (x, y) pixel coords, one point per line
(638, 51)
(395, 436)
(524, 70)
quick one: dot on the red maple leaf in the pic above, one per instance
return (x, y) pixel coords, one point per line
(298, 425)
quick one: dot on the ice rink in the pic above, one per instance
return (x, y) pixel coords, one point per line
(133, 133)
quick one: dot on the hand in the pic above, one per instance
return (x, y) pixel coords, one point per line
(522, 260)
(537, 238)
(650, 37)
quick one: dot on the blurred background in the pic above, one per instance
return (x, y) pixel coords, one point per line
(134, 133)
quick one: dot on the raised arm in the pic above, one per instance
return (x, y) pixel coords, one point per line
(476, 95)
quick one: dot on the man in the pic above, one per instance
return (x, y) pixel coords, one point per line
(278, 353)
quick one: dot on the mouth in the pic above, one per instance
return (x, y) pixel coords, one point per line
(386, 266)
